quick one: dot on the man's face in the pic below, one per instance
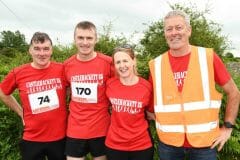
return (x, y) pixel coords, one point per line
(177, 32)
(41, 53)
(85, 40)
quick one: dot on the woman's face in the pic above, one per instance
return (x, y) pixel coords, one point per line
(124, 64)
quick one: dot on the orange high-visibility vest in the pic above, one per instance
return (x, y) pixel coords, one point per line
(194, 111)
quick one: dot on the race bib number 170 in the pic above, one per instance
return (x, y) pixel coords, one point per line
(84, 92)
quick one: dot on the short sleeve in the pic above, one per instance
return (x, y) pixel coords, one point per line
(8, 85)
(221, 75)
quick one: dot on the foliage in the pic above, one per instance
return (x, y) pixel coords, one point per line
(14, 40)
(229, 57)
(61, 53)
(142, 65)
(10, 133)
(231, 149)
(106, 43)
(7, 62)
(204, 33)
(8, 52)
(153, 41)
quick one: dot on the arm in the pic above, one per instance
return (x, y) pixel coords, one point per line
(68, 94)
(150, 116)
(12, 103)
(233, 98)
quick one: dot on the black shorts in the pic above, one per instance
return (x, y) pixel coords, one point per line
(31, 150)
(81, 147)
(146, 154)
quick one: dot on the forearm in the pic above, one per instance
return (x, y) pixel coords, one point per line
(232, 105)
(150, 115)
(12, 103)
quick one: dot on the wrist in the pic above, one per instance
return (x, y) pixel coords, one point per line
(228, 124)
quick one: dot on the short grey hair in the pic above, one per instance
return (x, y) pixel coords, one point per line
(180, 13)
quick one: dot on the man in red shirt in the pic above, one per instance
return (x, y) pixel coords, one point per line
(87, 72)
(186, 100)
(41, 86)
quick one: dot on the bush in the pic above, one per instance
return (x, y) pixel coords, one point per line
(10, 134)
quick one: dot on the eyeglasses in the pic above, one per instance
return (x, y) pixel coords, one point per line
(123, 47)
(126, 46)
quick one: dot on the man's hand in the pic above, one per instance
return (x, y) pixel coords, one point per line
(225, 134)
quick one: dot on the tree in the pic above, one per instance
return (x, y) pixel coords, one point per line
(14, 40)
(106, 43)
(229, 55)
(205, 33)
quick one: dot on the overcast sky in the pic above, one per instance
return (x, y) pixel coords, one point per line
(59, 17)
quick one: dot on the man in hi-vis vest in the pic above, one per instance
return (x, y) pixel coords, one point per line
(186, 101)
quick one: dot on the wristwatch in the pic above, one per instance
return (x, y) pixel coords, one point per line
(228, 125)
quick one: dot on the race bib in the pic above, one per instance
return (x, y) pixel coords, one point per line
(84, 92)
(43, 101)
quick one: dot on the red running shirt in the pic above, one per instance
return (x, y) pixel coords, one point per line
(89, 107)
(128, 130)
(43, 98)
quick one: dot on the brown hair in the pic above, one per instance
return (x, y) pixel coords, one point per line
(85, 25)
(40, 37)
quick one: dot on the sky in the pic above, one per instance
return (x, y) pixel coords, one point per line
(128, 17)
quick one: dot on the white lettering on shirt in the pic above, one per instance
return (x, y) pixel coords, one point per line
(88, 78)
(43, 85)
(179, 77)
(123, 105)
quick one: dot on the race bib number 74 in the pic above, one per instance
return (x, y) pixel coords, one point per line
(43, 101)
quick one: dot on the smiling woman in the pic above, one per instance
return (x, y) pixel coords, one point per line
(130, 96)
(125, 64)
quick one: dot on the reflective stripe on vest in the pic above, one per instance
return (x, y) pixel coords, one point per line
(187, 106)
(205, 127)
